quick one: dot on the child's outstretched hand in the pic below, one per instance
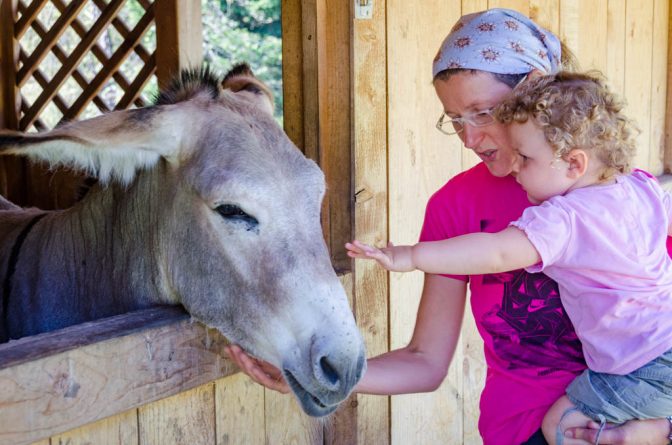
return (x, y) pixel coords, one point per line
(394, 258)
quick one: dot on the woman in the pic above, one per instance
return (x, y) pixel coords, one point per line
(530, 346)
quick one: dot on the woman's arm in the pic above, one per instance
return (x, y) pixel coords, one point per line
(422, 365)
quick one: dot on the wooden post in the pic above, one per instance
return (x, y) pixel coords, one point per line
(9, 58)
(11, 185)
(179, 37)
(371, 200)
(317, 88)
(667, 155)
(292, 71)
(317, 105)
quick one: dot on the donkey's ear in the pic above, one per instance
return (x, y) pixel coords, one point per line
(112, 146)
(240, 79)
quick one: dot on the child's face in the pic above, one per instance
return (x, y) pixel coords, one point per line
(541, 174)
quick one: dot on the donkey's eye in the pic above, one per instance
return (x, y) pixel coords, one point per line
(233, 213)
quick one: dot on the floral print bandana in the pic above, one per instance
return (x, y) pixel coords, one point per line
(500, 41)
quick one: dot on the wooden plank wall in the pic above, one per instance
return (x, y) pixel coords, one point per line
(628, 41)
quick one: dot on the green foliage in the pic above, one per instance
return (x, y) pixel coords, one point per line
(237, 31)
(258, 16)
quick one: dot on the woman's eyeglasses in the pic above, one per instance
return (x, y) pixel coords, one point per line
(453, 125)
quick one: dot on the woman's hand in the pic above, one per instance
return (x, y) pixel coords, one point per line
(634, 432)
(258, 370)
(394, 258)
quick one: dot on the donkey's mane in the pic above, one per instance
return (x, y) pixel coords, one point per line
(242, 69)
(190, 83)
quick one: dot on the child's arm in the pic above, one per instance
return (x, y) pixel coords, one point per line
(472, 254)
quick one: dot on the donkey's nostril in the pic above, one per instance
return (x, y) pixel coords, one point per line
(330, 374)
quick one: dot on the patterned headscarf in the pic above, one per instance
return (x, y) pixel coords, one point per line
(500, 41)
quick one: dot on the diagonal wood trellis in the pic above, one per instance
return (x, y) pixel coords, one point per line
(110, 66)
(72, 59)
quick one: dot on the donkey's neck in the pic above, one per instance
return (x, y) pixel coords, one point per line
(98, 258)
(117, 231)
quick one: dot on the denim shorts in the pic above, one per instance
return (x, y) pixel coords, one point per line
(645, 393)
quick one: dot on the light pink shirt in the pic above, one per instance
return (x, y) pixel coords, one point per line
(605, 246)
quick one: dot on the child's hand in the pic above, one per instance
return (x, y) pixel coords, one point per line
(394, 258)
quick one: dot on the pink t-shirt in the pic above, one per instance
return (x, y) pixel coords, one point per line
(605, 246)
(531, 350)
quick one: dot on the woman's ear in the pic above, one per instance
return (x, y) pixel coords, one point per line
(534, 74)
(578, 163)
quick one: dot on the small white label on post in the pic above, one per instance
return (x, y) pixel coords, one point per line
(363, 9)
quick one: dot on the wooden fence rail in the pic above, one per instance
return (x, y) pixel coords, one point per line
(54, 382)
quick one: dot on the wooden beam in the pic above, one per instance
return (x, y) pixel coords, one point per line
(310, 79)
(292, 71)
(179, 37)
(58, 381)
(12, 180)
(370, 198)
(667, 155)
(9, 57)
(659, 92)
(334, 111)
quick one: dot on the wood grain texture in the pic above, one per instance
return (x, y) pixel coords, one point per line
(239, 407)
(421, 159)
(638, 63)
(519, 5)
(9, 57)
(292, 70)
(310, 85)
(659, 90)
(49, 387)
(583, 27)
(184, 419)
(616, 37)
(121, 429)
(12, 183)
(286, 423)
(370, 202)
(667, 157)
(179, 43)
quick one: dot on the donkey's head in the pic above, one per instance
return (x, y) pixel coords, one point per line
(237, 236)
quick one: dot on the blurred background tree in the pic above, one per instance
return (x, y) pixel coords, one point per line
(245, 31)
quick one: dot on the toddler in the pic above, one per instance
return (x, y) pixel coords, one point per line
(600, 231)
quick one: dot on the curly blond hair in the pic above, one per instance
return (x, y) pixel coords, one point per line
(575, 110)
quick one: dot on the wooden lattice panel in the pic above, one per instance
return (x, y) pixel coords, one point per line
(81, 58)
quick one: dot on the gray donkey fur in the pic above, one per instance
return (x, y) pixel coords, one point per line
(203, 201)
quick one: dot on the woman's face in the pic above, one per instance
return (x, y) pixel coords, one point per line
(466, 93)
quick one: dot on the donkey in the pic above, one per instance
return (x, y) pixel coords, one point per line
(202, 201)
